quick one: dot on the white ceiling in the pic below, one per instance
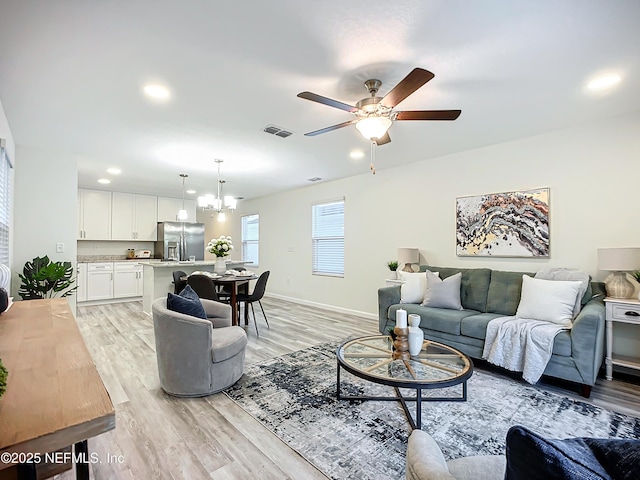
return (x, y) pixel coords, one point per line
(72, 71)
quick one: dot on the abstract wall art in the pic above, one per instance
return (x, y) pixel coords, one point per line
(509, 224)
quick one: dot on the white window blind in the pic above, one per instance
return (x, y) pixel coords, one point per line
(5, 204)
(327, 221)
(250, 238)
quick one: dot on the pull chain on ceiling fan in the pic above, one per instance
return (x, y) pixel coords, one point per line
(375, 115)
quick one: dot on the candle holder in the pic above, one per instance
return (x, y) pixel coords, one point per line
(401, 344)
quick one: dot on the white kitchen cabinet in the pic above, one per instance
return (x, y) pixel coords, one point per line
(94, 215)
(134, 217)
(127, 279)
(168, 209)
(99, 281)
(81, 282)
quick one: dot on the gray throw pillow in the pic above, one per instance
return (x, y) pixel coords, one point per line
(443, 293)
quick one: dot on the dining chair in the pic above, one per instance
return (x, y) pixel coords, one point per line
(178, 283)
(224, 291)
(203, 286)
(255, 296)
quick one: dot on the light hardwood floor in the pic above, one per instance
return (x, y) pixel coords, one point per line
(158, 436)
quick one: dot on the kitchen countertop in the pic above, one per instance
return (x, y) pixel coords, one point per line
(173, 264)
(106, 258)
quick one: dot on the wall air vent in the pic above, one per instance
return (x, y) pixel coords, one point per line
(277, 131)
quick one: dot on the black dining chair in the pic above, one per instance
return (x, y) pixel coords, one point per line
(224, 291)
(255, 296)
(178, 283)
(203, 286)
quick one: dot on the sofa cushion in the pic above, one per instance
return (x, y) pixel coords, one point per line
(533, 457)
(439, 319)
(562, 344)
(548, 300)
(227, 342)
(476, 325)
(474, 285)
(442, 293)
(504, 292)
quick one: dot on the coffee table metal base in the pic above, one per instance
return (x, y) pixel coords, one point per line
(415, 424)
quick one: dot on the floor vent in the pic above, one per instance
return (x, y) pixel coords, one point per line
(277, 131)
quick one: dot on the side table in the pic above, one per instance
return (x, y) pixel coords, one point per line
(623, 310)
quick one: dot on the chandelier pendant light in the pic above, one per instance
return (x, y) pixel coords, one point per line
(220, 201)
(182, 213)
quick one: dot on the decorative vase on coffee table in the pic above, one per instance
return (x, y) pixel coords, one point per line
(416, 335)
(221, 266)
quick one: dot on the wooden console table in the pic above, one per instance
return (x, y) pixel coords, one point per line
(55, 396)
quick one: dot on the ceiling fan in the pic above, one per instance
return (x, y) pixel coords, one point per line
(376, 114)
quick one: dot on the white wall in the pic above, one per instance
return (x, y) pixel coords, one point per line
(45, 208)
(592, 171)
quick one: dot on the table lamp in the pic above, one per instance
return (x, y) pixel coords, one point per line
(408, 256)
(619, 261)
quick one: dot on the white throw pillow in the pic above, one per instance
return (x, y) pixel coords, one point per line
(443, 293)
(413, 286)
(549, 300)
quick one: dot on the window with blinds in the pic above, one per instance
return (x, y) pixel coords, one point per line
(327, 221)
(5, 203)
(250, 238)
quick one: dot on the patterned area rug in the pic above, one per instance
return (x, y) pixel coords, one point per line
(294, 396)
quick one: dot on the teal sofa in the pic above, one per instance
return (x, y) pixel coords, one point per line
(486, 294)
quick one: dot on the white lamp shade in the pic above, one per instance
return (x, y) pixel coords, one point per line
(408, 255)
(230, 202)
(373, 127)
(182, 215)
(222, 217)
(619, 259)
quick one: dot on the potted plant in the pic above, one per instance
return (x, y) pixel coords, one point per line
(393, 266)
(220, 247)
(42, 278)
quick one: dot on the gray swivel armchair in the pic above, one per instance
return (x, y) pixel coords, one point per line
(425, 461)
(197, 357)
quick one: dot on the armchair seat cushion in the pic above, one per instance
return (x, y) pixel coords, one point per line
(227, 342)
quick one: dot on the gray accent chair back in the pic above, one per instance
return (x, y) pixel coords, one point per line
(197, 357)
(425, 461)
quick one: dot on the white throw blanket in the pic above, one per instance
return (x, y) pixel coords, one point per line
(520, 345)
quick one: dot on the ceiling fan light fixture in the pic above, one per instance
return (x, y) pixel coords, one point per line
(373, 127)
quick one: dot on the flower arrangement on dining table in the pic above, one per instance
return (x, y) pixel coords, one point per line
(220, 247)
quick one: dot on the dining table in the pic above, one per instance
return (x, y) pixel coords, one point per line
(232, 281)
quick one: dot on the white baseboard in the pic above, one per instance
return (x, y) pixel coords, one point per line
(333, 308)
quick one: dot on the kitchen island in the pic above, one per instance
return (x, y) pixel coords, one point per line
(158, 277)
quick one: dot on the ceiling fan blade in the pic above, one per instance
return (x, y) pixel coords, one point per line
(327, 101)
(428, 115)
(409, 84)
(383, 140)
(328, 129)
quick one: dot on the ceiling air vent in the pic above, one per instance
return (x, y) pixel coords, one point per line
(277, 131)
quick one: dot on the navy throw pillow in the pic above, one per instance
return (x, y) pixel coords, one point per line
(188, 292)
(185, 305)
(532, 457)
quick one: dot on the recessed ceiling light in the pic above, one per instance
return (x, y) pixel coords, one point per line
(191, 192)
(604, 82)
(314, 179)
(357, 154)
(156, 91)
(114, 171)
(104, 181)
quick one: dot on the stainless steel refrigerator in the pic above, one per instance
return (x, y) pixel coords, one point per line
(179, 241)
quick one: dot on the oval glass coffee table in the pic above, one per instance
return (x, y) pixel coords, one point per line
(436, 366)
